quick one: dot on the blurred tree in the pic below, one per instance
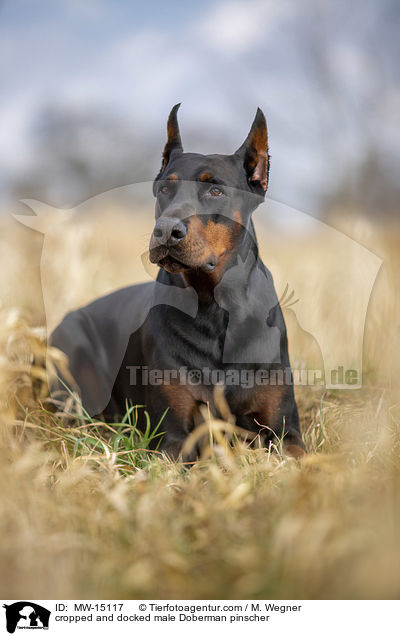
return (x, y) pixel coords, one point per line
(328, 76)
(81, 154)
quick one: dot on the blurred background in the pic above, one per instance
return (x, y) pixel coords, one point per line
(87, 86)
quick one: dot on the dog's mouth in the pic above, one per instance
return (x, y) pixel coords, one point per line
(163, 258)
(172, 264)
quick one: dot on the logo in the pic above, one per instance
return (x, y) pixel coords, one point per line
(26, 615)
(325, 288)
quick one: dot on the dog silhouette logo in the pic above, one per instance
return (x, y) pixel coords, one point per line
(333, 278)
(26, 615)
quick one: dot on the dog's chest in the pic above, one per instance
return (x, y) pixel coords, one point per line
(195, 343)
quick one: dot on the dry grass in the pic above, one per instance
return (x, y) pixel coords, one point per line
(84, 514)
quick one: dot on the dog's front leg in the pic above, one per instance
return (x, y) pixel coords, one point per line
(274, 409)
(173, 441)
(177, 407)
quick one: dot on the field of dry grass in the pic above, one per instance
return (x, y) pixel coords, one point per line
(87, 512)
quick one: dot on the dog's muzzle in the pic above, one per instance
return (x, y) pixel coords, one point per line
(169, 231)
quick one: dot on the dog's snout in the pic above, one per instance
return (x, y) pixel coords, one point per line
(169, 231)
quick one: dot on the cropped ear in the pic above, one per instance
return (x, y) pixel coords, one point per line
(254, 152)
(173, 136)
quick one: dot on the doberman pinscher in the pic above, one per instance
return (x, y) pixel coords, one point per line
(211, 317)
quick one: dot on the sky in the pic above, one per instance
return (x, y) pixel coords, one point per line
(324, 75)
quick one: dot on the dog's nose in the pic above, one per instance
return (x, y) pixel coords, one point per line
(169, 231)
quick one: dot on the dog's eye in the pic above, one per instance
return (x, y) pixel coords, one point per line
(215, 191)
(164, 189)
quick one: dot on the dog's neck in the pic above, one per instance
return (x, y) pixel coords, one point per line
(245, 258)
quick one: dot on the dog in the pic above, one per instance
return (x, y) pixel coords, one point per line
(211, 317)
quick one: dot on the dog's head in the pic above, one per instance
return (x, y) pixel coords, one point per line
(204, 202)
